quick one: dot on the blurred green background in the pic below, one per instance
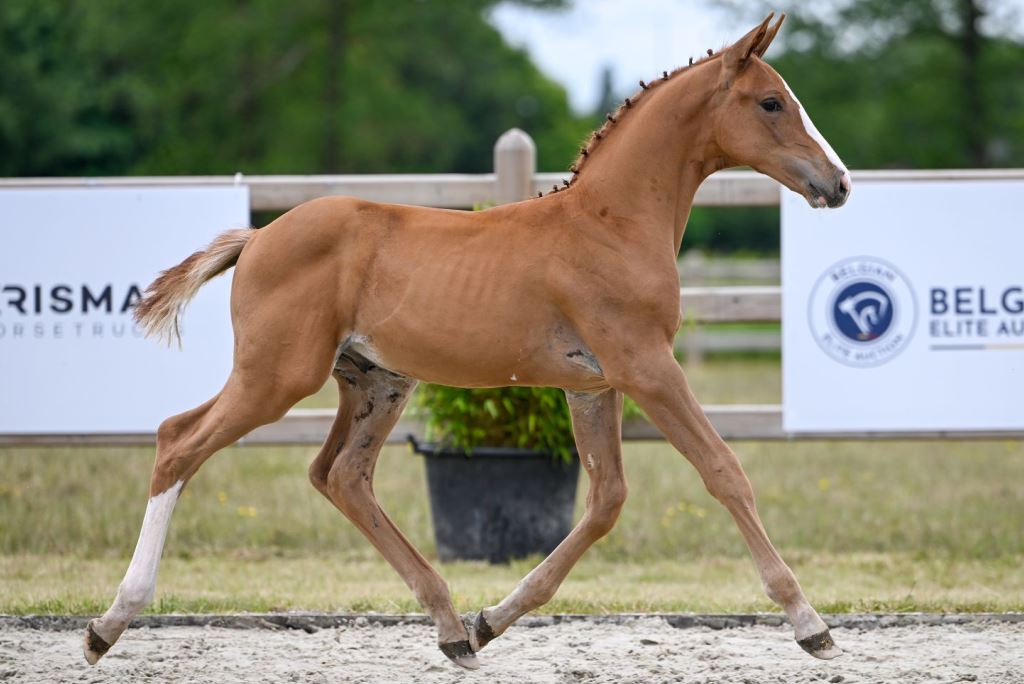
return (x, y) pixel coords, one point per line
(115, 87)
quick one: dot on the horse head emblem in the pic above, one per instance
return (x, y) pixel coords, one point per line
(866, 309)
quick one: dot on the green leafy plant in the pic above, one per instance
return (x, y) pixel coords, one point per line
(523, 417)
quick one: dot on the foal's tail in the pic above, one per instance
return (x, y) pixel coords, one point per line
(161, 306)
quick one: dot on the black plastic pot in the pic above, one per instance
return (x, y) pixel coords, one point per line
(498, 503)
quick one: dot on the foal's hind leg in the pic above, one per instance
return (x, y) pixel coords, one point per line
(184, 442)
(597, 426)
(371, 403)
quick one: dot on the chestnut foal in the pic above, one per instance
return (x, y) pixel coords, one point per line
(577, 289)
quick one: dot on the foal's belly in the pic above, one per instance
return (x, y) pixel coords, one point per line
(557, 359)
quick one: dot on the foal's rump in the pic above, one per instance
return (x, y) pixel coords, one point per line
(292, 248)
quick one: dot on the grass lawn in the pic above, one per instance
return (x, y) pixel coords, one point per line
(835, 583)
(867, 526)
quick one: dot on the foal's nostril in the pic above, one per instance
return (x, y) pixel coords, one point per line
(844, 186)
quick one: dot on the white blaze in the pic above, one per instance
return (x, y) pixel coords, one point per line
(817, 137)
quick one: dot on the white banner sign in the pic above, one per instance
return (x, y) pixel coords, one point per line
(72, 263)
(904, 310)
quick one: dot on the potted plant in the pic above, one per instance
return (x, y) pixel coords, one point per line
(501, 470)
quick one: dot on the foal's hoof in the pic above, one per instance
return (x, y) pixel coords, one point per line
(821, 646)
(481, 633)
(95, 646)
(460, 653)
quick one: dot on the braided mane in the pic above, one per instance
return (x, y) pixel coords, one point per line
(613, 118)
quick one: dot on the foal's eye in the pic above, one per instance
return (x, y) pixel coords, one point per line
(771, 105)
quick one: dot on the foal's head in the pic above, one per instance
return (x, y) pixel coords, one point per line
(758, 122)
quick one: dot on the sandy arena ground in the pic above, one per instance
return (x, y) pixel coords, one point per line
(637, 650)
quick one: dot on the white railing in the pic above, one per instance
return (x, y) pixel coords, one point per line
(463, 191)
(515, 177)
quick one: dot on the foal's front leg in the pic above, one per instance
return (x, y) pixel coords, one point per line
(657, 384)
(596, 424)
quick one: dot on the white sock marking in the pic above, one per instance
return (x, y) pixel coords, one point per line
(139, 583)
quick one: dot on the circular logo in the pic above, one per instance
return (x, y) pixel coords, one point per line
(862, 311)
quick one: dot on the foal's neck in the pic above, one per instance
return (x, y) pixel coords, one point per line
(648, 165)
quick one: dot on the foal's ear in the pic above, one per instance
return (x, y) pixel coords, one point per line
(769, 36)
(738, 55)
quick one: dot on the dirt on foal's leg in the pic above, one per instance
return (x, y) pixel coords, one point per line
(372, 400)
(596, 424)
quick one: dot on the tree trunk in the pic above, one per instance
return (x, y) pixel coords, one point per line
(335, 74)
(975, 115)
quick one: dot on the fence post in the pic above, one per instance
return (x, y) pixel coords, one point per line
(515, 162)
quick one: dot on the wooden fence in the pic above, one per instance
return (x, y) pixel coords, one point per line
(515, 178)
(696, 269)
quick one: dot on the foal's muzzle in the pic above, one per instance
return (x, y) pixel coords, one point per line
(829, 193)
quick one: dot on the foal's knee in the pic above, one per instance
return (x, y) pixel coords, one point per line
(606, 506)
(730, 486)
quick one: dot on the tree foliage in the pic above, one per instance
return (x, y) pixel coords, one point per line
(196, 87)
(110, 87)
